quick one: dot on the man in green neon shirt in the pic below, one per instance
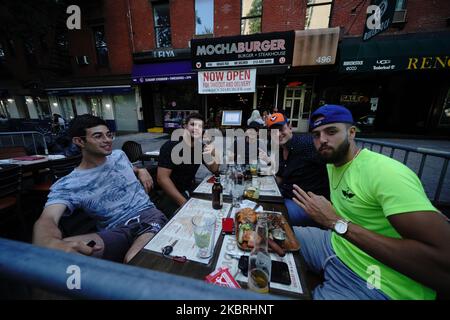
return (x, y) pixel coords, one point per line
(385, 240)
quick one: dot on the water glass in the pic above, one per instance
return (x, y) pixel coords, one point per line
(204, 227)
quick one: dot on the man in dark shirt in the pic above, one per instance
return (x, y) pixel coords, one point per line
(300, 165)
(177, 180)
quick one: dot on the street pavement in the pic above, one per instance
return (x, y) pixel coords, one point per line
(430, 176)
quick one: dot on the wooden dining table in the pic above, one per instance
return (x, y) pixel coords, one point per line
(156, 261)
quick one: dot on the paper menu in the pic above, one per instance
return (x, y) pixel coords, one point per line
(180, 228)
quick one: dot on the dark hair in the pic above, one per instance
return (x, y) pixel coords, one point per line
(194, 115)
(78, 126)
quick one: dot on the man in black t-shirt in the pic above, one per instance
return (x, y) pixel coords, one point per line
(299, 164)
(178, 180)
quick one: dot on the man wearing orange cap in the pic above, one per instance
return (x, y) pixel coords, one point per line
(299, 164)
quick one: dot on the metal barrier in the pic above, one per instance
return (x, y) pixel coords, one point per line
(5, 136)
(57, 271)
(423, 152)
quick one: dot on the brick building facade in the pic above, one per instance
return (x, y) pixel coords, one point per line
(118, 64)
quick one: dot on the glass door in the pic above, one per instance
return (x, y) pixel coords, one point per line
(293, 105)
(96, 107)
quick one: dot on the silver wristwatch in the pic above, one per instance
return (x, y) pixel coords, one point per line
(341, 226)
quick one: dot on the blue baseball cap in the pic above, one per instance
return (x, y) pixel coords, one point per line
(330, 113)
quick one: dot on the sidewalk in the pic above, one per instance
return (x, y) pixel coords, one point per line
(433, 165)
(440, 145)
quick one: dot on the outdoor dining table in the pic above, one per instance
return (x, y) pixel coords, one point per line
(156, 261)
(30, 164)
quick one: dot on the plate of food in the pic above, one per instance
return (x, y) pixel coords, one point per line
(281, 235)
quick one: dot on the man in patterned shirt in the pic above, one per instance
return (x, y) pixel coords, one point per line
(105, 185)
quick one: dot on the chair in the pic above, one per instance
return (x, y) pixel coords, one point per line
(58, 169)
(133, 150)
(10, 189)
(62, 167)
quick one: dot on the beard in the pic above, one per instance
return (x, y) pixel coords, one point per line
(338, 155)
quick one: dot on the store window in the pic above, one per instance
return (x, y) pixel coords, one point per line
(42, 108)
(161, 18)
(445, 116)
(2, 53)
(251, 16)
(204, 17)
(318, 14)
(400, 5)
(61, 40)
(11, 47)
(101, 47)
(4, 112)
(96, 107)
(68, 109)
(30, 54)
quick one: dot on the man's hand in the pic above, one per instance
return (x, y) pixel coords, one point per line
(263, 156)
(73, 246)
(145, 178)
(209, 153)
(317, 207)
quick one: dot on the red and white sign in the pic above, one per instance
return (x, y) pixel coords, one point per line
(226, 81)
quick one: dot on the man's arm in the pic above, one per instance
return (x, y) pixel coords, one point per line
(47, 234)
(168, 186)
(144, 177)
(423, 253)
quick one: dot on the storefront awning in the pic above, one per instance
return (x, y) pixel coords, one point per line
(89, 90)
(315, 47)
(162, 72)
(413, 52)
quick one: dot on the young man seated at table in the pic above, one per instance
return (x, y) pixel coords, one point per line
(178, 180)
(385, 240)
(299, 164)
(105, 185)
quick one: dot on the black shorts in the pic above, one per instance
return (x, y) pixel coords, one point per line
(118, 240)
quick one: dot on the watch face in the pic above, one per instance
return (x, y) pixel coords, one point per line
(340, 227)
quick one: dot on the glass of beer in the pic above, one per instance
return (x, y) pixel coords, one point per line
(258, 280)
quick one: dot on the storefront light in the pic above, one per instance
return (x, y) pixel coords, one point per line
(29, 100)
(10, 100)
(55, 104)
(108, 105)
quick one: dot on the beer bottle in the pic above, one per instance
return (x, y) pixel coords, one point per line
(217, 193)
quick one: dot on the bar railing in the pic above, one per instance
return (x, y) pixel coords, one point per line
(423, 153)
(78, 276)
(24, 138)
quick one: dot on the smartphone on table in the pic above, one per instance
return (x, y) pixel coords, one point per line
(279, 274)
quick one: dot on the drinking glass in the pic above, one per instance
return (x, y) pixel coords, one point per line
(204, 234)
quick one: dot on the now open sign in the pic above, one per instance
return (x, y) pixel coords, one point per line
(226, 81)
